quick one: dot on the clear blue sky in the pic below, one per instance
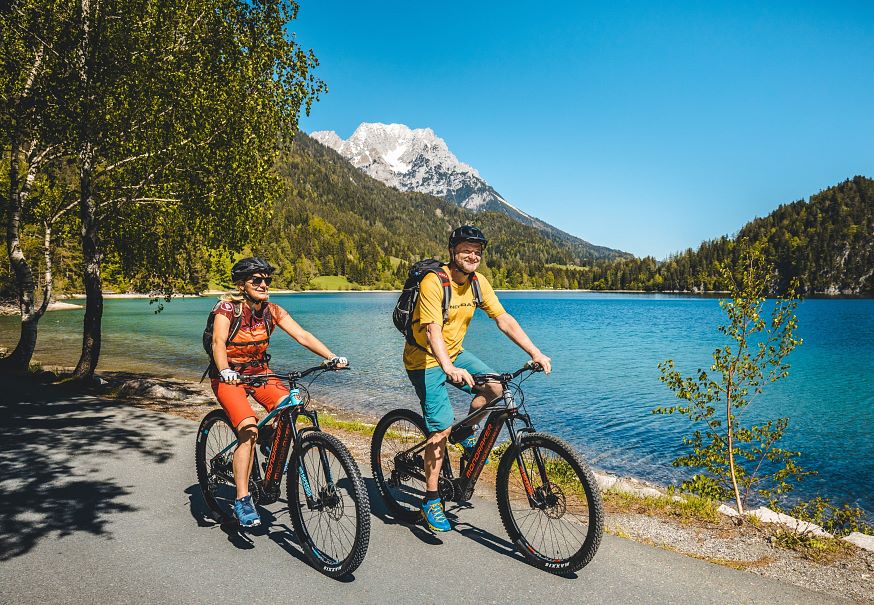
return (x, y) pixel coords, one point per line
(644, 126)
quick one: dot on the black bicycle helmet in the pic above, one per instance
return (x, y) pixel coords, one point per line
(245, 268)
(467, 233)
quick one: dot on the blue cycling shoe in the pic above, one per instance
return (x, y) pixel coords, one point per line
(435, 518)
(245, 512)
(468, 446)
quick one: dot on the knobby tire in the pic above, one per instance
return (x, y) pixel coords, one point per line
(397, 431)
(563, 536)
(334, 535)
(213, 435)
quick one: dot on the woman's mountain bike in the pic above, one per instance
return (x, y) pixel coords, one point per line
(327, 498)
(548, 499)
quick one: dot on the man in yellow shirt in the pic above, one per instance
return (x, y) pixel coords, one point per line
(438, 356)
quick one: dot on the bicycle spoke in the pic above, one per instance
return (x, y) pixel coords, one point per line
(405, 489)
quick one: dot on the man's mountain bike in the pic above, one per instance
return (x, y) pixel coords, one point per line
(548, 499)
(327, 498)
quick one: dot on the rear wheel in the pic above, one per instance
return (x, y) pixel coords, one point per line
(328, 504)
(399, 477)
(550, 504)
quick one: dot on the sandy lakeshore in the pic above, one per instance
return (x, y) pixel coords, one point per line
(10, 309)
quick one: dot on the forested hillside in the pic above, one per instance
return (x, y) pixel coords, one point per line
(827, 243)
(336, 221)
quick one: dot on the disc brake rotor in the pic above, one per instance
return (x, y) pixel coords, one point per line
(554, 503)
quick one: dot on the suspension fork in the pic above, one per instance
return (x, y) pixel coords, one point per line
(524, 471)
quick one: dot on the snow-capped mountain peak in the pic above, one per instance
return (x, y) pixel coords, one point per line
(415, 160)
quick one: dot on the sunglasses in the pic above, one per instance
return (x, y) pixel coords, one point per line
(257, 281)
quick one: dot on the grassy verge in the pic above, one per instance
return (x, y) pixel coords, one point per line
(820, 549)
(330, 421)
(686, 509)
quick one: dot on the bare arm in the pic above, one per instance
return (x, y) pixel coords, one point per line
(434, 332)
(509, 326)
(220, 327)
(306, 339)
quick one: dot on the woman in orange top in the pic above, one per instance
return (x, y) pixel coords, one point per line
(246, 354)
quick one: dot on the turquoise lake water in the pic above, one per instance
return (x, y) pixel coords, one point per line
(605, 350)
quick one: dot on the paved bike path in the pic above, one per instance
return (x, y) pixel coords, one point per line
(99, 503)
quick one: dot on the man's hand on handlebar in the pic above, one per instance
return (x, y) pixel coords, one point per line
(458, 375)
(543, 361)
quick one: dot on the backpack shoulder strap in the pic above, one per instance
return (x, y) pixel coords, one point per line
(477, 293)
(268, 320)
(236, 321)
(447, 292)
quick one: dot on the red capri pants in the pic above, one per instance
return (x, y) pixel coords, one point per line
(235, 402)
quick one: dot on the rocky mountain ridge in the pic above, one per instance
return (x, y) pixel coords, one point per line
(418, 160)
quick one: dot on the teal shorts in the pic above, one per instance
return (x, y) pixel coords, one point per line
(430, 387)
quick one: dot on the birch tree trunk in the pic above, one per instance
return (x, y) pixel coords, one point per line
(19, 360)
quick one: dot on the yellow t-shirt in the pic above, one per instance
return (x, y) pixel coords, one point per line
(429, 309)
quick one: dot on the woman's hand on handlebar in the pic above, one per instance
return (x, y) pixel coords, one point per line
(336, 362)
(229, 376)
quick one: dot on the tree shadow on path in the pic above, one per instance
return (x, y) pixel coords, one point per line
(55, 444)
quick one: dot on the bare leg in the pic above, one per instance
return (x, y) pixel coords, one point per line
(486, 393)
(247, 433)
(434, 452)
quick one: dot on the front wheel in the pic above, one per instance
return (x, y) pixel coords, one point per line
(328, 504)
(550, 504)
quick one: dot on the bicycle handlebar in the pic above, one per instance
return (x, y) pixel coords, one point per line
(507, 377)
(326, 366)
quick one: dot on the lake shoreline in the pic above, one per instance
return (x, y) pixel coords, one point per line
(606, 349)
(10, 307)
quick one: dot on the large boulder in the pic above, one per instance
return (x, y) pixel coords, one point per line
(144, 387)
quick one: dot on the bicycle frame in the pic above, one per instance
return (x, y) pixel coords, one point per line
(287, 433)
(462, 487)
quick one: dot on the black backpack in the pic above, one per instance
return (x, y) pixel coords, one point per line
(236, 322)
(403, 312)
